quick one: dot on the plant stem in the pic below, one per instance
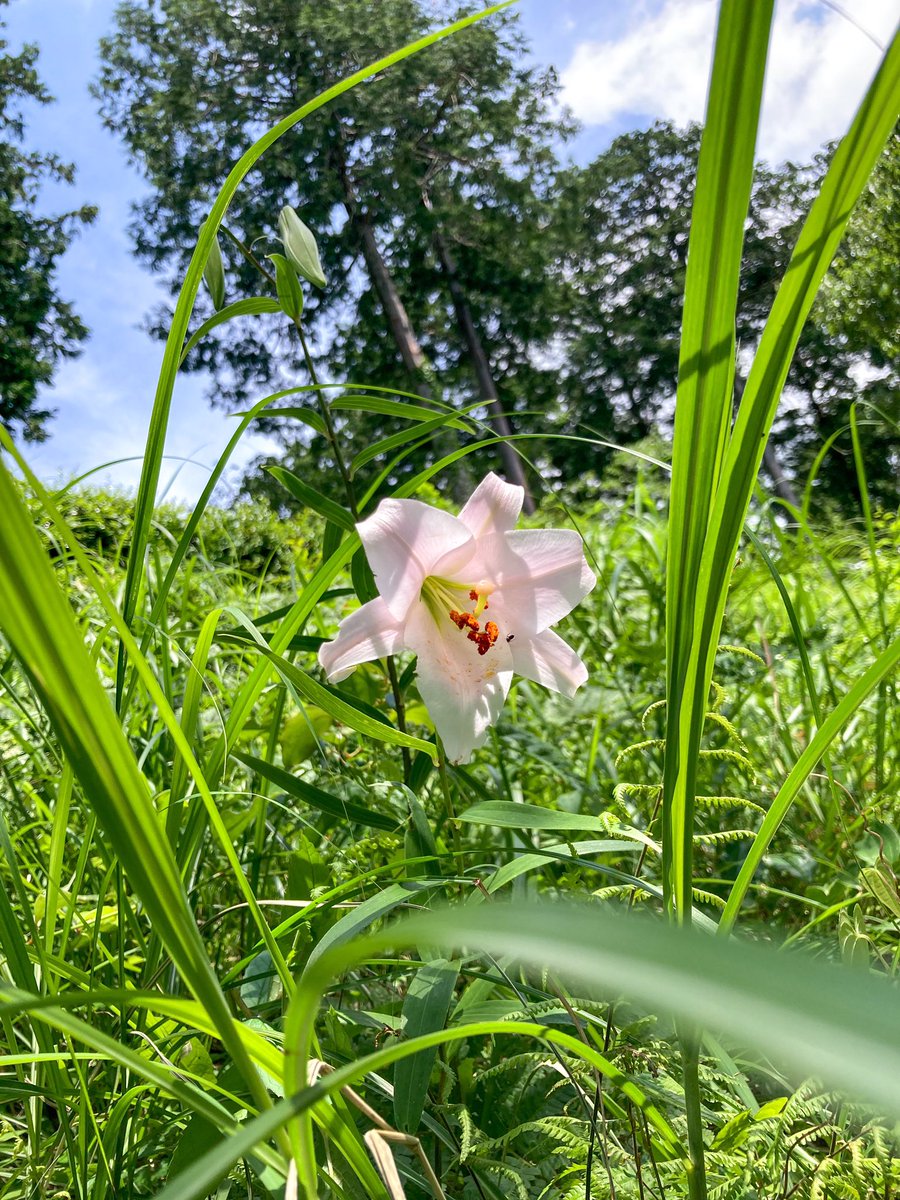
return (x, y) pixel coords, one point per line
(400, 709)
(690, 1068)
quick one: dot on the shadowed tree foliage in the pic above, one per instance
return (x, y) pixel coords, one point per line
(860, 308)
(37, 327)
(622, 225)
(417, 185)
(459, 254)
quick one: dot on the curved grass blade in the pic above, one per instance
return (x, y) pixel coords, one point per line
(880, 670)
(846, 177)
(42, 632)
(197, 1179)
(160, 415)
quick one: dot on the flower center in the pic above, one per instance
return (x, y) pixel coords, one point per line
(446, 598)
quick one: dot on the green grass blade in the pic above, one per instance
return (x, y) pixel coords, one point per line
(178, 330)
(880, 670)
(834, 1023)
(846, 177)
(42, 632)
(704, 399)
(425, 1008)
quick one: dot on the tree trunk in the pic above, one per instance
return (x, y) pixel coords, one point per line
(784, 489)
(512, 464)
(411, 353)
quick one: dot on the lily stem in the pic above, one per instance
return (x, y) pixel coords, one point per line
(325, 410)
(448, 799)
(400, 709)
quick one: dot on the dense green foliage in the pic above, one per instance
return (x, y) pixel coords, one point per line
(248, 537)
(38, 326)
(501, 1119)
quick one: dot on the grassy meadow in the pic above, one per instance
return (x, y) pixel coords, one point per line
(260, 937)
(327, 838)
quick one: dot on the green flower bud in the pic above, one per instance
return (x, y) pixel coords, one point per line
(214, 275)
(290, 294)
(300, 247)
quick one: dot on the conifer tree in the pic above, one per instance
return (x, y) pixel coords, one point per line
(37, 327)
(416, 184)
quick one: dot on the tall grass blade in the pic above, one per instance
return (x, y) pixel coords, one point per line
(159, 418)
(43, 634)
(816, 245)
(880, 670)
(704, 398)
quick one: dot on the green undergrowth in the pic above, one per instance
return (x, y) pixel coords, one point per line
(564, 801)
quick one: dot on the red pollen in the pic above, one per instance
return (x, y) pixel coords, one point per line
(473, 595)
(464, 620)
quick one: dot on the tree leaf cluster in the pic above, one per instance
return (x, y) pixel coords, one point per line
(38, 328)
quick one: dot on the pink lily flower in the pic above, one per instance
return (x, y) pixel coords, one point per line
(474, 599)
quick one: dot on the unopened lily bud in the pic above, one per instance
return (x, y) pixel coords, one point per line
(290, 294)
(300, 247)
(214, 275)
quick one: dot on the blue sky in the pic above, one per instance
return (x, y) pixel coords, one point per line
(621, 65)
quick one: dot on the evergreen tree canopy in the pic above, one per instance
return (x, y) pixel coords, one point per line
(452, 237)
(623, 225)
(438, 168)
(37, 327)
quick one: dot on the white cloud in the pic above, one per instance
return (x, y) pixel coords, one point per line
(819, 66)
(100, 421)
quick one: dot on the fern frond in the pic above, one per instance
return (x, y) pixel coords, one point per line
(648, 712)
(723, 837)
(728, 802)
(505, 1172)
(723, 754)
(702, 897)
(742, 652)
(722, 721)
(623, 891)
(470, 1136)
(636, 790)
(640, 748)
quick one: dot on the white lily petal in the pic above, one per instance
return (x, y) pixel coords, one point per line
(541, 573)
(548, 660)
(370, 632)
(493, 507)
(406, 540)
(462, 690)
